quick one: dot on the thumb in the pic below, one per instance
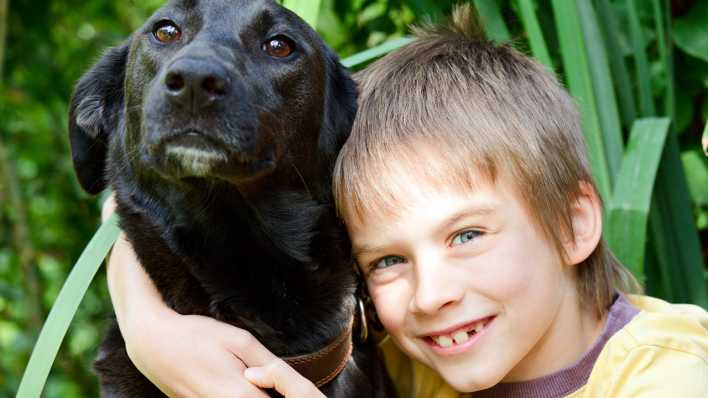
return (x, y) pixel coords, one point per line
(284, 379)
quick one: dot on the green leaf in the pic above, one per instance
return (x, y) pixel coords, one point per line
(533, 30)
(491, 17)
(684, 113)
(691, 31)
(309, 10)
(375, 52)
(611, 35)
(662, 13)
(629, 207)
(673, 231)
(696, 165)
(646, 99)
(606, 101)
(64, 309)
(370, 13)
(423, 7)
(579, 77)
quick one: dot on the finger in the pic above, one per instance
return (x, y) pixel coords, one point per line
(248, 349)
(274, 372)
(284, 379)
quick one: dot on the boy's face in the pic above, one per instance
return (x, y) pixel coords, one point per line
(450, 263)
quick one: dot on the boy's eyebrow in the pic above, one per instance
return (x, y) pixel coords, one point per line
(471, 211)
(359, 250)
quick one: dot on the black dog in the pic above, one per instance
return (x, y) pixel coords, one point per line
(217, 124)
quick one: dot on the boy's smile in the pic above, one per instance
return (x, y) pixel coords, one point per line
(468, 285)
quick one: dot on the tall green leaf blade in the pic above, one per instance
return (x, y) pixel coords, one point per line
(64, 309)
(631, 200)
(534, 32)
(607, 109)
(490, 14)
(309, 10)
(646, 99)
(662, 13)
(375, 52)
(674, 237)
(580, 83)
(620, 74)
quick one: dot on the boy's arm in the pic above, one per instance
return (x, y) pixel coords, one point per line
(189, 355)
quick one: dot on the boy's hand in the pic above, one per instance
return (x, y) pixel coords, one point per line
(268, 371)
(191, 356)
(197, 356)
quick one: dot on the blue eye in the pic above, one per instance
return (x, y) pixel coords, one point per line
(465, 237)
(388, 261)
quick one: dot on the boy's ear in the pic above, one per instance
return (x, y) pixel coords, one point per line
(586, 216)
(94, 114)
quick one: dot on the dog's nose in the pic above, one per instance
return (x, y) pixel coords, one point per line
(195, 83)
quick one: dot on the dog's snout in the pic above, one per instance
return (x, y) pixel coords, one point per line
(195, 83)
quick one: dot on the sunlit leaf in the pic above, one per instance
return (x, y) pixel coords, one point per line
(533, 30)
(308, 10)
(579, 78)
(373, 53)
(629, 207)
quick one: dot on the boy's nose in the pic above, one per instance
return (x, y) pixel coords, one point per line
(435, 288)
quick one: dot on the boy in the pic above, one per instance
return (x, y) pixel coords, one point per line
(466, 191)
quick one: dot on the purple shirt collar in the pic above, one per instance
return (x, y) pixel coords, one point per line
(570, 379)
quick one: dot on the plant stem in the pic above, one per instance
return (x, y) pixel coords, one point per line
(3, 33)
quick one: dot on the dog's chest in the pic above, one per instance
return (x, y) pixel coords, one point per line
(270, 273)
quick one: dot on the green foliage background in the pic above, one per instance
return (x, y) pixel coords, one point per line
(46, 219)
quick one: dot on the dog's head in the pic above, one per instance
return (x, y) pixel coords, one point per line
(234, 90)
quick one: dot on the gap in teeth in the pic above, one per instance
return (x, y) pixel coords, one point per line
(460, 337)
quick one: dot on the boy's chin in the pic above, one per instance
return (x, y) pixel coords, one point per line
(466, 378)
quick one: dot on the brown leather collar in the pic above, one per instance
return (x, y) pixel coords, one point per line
(323, 366)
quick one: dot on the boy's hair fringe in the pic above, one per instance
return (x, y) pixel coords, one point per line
(453, 109)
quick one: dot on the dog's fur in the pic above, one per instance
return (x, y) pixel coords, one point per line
(225, 195)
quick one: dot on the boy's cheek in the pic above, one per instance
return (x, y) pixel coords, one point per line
(391, 301)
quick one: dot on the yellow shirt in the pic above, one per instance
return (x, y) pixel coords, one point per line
(661, 352)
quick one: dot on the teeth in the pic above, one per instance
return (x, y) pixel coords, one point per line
(460, 337)
(444, 341)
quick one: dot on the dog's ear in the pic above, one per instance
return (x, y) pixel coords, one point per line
(340, 107)
(94, 114)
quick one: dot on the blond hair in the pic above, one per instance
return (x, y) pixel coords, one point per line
(451, 109)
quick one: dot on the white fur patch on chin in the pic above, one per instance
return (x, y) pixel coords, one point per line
(195, 161)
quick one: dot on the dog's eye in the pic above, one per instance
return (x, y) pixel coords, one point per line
(279, 46)
(166, 31)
